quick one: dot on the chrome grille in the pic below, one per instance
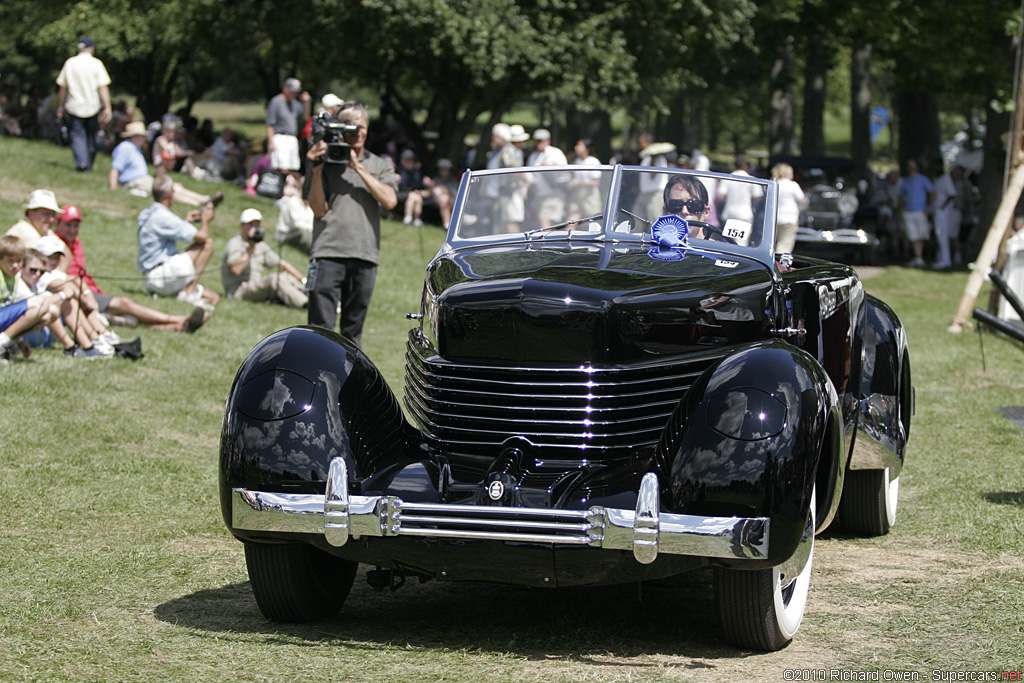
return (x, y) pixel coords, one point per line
(471, 409)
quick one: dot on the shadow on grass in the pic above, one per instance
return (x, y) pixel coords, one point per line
(587, 625)
(1005, 497)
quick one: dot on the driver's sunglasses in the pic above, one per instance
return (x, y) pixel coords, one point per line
(693, 206)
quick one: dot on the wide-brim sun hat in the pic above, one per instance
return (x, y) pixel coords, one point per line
(134, 128)
(43, 199)
(519, 133)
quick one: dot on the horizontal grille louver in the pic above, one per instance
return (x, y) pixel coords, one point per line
(471, 409)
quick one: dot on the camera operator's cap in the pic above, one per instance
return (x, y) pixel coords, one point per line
(408, 154)
(519, 133)
(133, 128)
(331, 100)
(293, 85)
(84, 42)
(71, 213)
(502, 130)
(48, 245)
(444, 163)
(42, 199)
(250, 215)
(542, 134)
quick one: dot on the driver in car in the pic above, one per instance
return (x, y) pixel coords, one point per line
(686, 197)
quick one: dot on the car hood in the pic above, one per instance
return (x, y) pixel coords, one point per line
(591, 304)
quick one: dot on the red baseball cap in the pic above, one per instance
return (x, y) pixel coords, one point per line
(71, 213)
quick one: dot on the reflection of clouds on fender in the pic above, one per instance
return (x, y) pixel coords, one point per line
(305, 433)
(336, 431)
(263, 435)
(277, 399)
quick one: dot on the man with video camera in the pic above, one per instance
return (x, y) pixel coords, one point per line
(346, 193)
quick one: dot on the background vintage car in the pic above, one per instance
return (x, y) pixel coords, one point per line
(595, 393)
(833, 225)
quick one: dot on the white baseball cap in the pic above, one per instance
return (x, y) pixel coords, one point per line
(250, 215)
(50, 244)
(331, 100)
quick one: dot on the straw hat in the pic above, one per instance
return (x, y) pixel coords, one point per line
(42, 199)
(134, 128)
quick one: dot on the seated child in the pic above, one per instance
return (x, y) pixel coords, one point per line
(18, 318)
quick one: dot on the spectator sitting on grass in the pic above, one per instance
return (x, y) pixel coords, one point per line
(79, 308)
(167, 271)
(28, 315)
(295, 217)
(37, 280)
(117, 309)
(253, 272)
(41, 213)
(128, 169)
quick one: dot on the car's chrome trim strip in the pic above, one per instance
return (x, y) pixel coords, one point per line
(646, 530)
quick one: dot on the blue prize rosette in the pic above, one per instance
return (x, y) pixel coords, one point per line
(670, 235)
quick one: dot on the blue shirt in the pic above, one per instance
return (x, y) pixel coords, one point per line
(915, 190)
(129, 162)
(160, 229)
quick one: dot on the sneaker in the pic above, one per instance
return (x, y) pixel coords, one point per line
(195, 298)
(407, 220)
(110, 337)
(418, 223)
(916, 263)
(88, 354)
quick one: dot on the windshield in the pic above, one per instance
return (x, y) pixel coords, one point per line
(672, 208)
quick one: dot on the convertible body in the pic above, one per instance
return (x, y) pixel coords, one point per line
(597, 390)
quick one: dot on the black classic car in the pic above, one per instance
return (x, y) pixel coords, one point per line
(603, 384)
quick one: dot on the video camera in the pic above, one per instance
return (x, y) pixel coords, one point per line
(333, 132)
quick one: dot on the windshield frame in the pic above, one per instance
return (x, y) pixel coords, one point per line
(763, 252)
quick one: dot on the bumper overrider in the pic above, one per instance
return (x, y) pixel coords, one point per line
(339, 517)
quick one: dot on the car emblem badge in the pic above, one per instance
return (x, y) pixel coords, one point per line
(495, 490)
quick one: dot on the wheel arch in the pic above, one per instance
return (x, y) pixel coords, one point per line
(302, 397)
(713, 468)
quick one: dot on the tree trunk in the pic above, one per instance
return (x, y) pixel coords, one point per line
(918, 116)
(812, 142)
(860, 109)
(781, 133)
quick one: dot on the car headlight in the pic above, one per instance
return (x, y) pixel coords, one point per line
(748, 414)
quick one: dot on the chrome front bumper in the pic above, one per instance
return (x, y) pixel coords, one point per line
(646, 531)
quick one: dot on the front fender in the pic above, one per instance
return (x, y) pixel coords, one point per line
(749, 439)
(301, 397)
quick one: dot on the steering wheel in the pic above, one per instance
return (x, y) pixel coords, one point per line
(711, 232)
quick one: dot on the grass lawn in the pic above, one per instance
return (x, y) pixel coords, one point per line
(115, 564)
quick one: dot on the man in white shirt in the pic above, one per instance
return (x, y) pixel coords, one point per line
(85, 96)
(548, 192)
(739, 198)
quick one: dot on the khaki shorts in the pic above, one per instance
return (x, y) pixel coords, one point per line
(141, 184)
(285, 156)
(171, 276)
(916, 225)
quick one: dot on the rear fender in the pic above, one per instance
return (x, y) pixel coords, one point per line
(749, 439)
(885, 398)
(301, 397)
